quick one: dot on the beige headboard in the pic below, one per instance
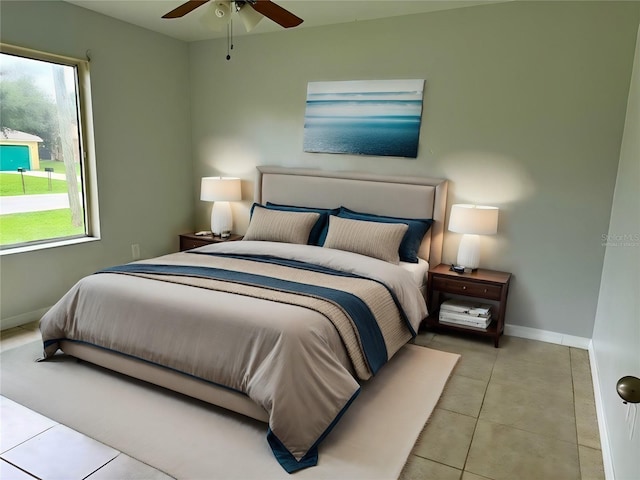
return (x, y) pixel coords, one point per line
(399, 196)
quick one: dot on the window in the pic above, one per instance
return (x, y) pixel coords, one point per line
(46, 157)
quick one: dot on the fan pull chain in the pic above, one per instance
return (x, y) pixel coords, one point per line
(229, 38)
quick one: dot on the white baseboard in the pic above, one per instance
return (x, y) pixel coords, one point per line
(602, 421)
(22, 319)
(547, 336)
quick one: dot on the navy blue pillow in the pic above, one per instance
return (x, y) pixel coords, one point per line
(319, 231)
(412, 239)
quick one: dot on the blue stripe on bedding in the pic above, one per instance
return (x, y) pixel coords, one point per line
(373, 345)
(314, 268)
(310, 459)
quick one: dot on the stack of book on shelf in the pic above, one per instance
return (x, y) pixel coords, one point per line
(465, 313)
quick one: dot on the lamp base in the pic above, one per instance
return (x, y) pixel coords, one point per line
(469, 252)
(221, 219)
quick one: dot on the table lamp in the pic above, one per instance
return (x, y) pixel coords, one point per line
(221, 191)
(472, 221)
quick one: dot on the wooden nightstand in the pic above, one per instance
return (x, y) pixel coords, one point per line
(191, 240)
(481, 284)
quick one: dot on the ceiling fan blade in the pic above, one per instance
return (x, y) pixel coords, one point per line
(275, 12)
(185, 8)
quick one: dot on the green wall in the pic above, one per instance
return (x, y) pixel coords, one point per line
(142, 133)
(524, 109)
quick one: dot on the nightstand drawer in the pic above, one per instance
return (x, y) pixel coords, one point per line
(460, 287)
(191, 240)
(189, 243)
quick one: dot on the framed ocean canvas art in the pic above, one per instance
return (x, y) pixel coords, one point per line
(364, 117)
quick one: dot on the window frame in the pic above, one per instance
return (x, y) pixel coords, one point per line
(86, 146)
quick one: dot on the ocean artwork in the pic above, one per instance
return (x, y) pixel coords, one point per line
(368, 117)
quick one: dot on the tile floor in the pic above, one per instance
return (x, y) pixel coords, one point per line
(33, 446)
(523, 411)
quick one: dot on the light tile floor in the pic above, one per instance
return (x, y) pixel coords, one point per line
(525, 410)
(33, 446)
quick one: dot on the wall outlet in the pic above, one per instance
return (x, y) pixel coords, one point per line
(135, 251)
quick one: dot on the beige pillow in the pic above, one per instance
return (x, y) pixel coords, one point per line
(374, 239)
(280, 226)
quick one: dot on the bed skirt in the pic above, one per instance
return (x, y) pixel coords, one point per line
(164, 377)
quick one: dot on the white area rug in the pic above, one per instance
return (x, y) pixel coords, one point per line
(189, 439)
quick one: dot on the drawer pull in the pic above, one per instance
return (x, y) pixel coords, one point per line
(485, 290)
(464, 287)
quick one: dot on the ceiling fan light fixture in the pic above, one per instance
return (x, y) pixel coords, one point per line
(222, 9)
(250, 18)
(212, 21)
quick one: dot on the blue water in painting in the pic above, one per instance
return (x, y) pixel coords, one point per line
(398, 138)
(383, 126)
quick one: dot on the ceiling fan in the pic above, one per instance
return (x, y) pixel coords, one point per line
(250, 11)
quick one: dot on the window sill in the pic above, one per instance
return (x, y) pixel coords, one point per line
(44, 246)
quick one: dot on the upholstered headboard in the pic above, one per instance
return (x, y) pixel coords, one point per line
(398, 196)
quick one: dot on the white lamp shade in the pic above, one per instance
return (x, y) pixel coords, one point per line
(473, 219)
(225, 189)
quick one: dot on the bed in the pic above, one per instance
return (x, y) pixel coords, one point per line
(277, 328)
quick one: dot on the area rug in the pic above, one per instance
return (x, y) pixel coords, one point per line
(189, 439)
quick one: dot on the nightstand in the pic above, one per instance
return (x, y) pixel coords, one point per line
(480, 284)
(191, 240)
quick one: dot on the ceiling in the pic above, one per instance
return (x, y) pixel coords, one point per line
(148, 13)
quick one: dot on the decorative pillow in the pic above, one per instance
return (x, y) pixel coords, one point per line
(319, 230)
(374, 239)
(278, 226)
(412, 239)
